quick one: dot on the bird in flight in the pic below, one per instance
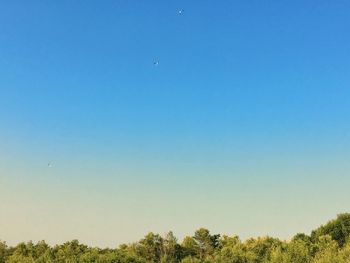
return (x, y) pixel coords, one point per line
(156, 63)
(49, 165)
(181, 11)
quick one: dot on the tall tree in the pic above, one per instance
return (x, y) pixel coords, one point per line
(3, 251)
(338, 229)
(206, 243)
(171, 249)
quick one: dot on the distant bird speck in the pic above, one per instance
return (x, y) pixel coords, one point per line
(156, 63)
(181, 12)
(49, 165)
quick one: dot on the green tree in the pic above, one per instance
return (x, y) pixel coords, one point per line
(190, 259)
(150, 247)
(298, 251)
(327, 250)
(231, 251)
(69, 252)
(3, 251)
(338, 229)
(189, 247)
(171, 249)
(206, 243)
(259, 249)
(22, 253)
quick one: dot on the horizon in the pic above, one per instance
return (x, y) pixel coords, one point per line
(123, 117)
(179, 240)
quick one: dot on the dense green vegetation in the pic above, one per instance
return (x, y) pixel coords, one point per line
(329, 243)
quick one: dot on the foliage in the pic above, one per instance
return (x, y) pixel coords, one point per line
(338, 229)
(329, 243)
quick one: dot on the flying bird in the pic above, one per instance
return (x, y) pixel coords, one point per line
(181, 11)
(156, 63)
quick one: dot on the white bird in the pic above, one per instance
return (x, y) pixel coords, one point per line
(181, 11)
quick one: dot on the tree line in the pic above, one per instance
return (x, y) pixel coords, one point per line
(330, 243)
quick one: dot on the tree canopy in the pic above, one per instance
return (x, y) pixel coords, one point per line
(330, 243)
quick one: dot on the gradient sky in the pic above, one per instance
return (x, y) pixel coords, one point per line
(242, 128)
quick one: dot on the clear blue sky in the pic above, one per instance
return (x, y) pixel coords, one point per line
(243, 127)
